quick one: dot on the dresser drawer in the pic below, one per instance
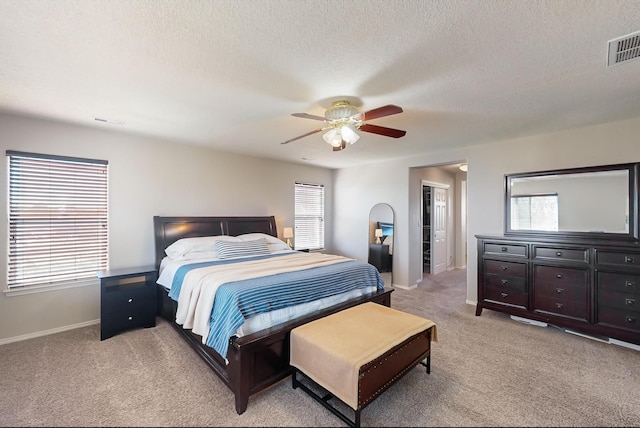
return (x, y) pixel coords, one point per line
(500, 267)
(514, 298)
(563, 307)
(618, 258)
(548, 279)
(560, 283)
(615, 299)
(519, 250)
(506, 283)
(619, 281)
(619, 318)
(565, 254)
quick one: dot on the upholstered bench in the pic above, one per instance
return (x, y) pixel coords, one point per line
(357, 354)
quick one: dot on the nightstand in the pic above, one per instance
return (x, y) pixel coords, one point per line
(379, 257)
(127, 299)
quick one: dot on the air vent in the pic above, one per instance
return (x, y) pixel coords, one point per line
(624, 49)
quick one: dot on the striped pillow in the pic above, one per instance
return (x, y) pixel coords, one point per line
(227, 250)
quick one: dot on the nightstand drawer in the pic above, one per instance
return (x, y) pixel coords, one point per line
(115, 298)
(143, 316)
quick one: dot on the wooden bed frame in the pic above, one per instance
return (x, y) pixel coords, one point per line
(258, 360)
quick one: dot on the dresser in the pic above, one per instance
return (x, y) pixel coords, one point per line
(589, 286)
(127, 299)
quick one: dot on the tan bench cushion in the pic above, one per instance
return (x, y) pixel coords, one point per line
(332, 349)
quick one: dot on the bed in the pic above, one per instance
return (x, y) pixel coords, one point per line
(259, 357)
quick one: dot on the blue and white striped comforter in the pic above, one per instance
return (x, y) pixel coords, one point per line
(294, 283)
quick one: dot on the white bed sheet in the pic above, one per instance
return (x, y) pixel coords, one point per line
(169, 267)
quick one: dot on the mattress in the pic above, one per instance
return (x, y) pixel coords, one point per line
(291, 269)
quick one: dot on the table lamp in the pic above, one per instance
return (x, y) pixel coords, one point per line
(288, 234)
(378, 234)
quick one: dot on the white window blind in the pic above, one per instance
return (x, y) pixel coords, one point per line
(309, 216)
(58, 225)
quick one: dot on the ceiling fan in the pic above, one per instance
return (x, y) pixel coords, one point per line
(343, 119)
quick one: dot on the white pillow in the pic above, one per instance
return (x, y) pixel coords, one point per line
(180, 248)
(227, 250)
(274, 244)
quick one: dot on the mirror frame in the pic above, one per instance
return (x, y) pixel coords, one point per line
(632, 234)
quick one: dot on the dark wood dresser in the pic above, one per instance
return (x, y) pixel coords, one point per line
(589, 286)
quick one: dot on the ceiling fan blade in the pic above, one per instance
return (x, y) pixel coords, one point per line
(381, 130)
(308, 116)
(387, 110)
(302, 136)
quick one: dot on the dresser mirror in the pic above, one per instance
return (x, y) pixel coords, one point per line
(381, 225)
(590, 202)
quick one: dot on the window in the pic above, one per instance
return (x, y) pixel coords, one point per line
(309, 216)
(58, 226)
(534, 212)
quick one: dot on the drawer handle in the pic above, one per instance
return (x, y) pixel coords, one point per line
(503, 268)
(504, 281)
(630, 284)
(629, 259)
(504, 249)
(559, 275)
(559, 253)
(504, 294)
(630, 301)
(130, 300)
(629, 319)
(559, 305)
(559, 290)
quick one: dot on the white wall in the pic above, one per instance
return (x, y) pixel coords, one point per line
(147, 177)
(150, 177)
(359, 188)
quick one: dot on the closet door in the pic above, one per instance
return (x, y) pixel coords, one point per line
(439, 229)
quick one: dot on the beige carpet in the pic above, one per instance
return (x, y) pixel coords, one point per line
(485, 371)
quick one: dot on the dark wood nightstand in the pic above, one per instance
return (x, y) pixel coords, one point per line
(127, 299)
(379, 257)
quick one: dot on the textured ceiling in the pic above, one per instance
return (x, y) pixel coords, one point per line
(228, 74)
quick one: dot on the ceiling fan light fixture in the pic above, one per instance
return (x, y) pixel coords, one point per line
(349, 134)
(333, 137)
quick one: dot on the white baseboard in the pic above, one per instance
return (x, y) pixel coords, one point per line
(48, 332)
(405, 287)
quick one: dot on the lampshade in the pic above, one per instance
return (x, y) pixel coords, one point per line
(378, 234)
(287, 233)
(333, 137)
(344, 132)
(349, 134)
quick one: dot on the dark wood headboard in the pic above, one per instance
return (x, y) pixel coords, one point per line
(168, 230)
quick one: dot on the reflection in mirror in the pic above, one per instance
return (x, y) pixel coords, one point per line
(381, 225)
(581, 201)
